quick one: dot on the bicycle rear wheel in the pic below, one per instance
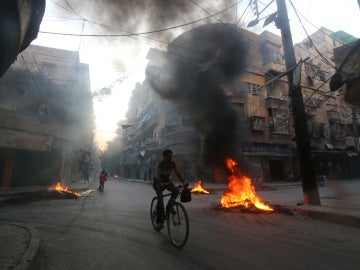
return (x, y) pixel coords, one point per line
(178, 225)
(153, 211)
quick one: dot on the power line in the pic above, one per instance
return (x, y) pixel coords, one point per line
(242, 15)
(39, 70)
(57, 4)
(319, 29)
(322, 56)
(162, 20)
(33, 78)
(192, 1)
(129, 34)
(140, 33)
(73, 10)
(266, 7)
(299, 26)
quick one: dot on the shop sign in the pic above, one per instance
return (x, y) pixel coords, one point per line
(25, 141)
(268, 149)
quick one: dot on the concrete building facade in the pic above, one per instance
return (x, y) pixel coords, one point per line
(261, 92)
(46, 118)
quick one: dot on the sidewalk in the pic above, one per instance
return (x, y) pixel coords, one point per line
(340, 203)
(340, 199)
(19, 243)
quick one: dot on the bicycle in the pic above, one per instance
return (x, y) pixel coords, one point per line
(177, 220)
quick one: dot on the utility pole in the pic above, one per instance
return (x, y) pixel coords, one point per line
(308, 175)
(356, 134)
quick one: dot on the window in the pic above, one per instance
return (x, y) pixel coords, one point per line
(279, 121)
(309, 44)
(253, 89)
(337, 131)
(313, 72)
(331, 106)
(258, 123)
(275, 56)
(271, 53)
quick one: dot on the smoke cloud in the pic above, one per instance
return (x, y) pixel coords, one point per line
(134, 16)
(201, 64)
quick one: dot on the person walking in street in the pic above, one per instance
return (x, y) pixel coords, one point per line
(102, 179)
(86, 174)
(162, 181)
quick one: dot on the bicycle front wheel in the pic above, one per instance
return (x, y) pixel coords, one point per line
(178, 225)
(153, 211)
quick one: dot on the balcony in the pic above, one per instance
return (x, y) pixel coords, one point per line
(272, 57)
(337, 136)
(238, 98)
(273, 68)
(280, 136)
(277, 103)
(257, 123)
(350, 141)
(172, 130)
(333, 116)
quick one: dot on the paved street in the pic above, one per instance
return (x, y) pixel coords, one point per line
(112, 230)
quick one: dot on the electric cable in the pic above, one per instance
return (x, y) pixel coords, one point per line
(140, 33)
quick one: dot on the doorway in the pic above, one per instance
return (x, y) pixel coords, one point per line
(277, 172)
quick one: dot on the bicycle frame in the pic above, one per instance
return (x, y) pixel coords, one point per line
(177, 222)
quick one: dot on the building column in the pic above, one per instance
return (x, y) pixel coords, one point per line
(8, 169)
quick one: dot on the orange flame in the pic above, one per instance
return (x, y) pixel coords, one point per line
(59, 187)
(116, 176)
(199, 188)
(240, 191)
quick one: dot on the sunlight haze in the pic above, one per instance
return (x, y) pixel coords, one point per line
(111, 58)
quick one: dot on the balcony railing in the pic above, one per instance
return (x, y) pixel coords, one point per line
(238, 98)
(333, 116)
(257, 123)
(277, 103)
(273, 67)
(337, 136)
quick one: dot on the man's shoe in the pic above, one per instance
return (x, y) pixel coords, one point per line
(158, 227)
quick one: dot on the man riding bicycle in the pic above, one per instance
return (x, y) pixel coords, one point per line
(162, 181)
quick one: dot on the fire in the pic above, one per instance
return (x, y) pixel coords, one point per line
(59, 187)
(115, 176)
(199, 188)
(240, 191)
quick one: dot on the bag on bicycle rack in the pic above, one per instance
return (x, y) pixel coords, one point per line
(185, 195)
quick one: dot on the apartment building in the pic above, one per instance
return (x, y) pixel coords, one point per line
(46, 118)
(333, 122)
(261, 93)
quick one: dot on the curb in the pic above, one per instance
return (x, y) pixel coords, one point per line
(330, 214)
(29, 254)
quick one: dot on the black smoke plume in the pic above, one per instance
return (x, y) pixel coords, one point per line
(201, 64)
(133, 16)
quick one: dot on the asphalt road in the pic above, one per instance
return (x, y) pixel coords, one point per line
(112, 230)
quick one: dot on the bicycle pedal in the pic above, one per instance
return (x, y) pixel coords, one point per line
(172, 211)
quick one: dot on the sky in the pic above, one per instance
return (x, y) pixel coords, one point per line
(119, 62)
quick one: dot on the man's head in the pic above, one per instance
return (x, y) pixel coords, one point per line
(167, 154)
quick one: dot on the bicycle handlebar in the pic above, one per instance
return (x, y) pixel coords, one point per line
(178, 186)
(184, 185)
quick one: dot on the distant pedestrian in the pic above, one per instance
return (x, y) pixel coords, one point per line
(102, 179)
(86, 173)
